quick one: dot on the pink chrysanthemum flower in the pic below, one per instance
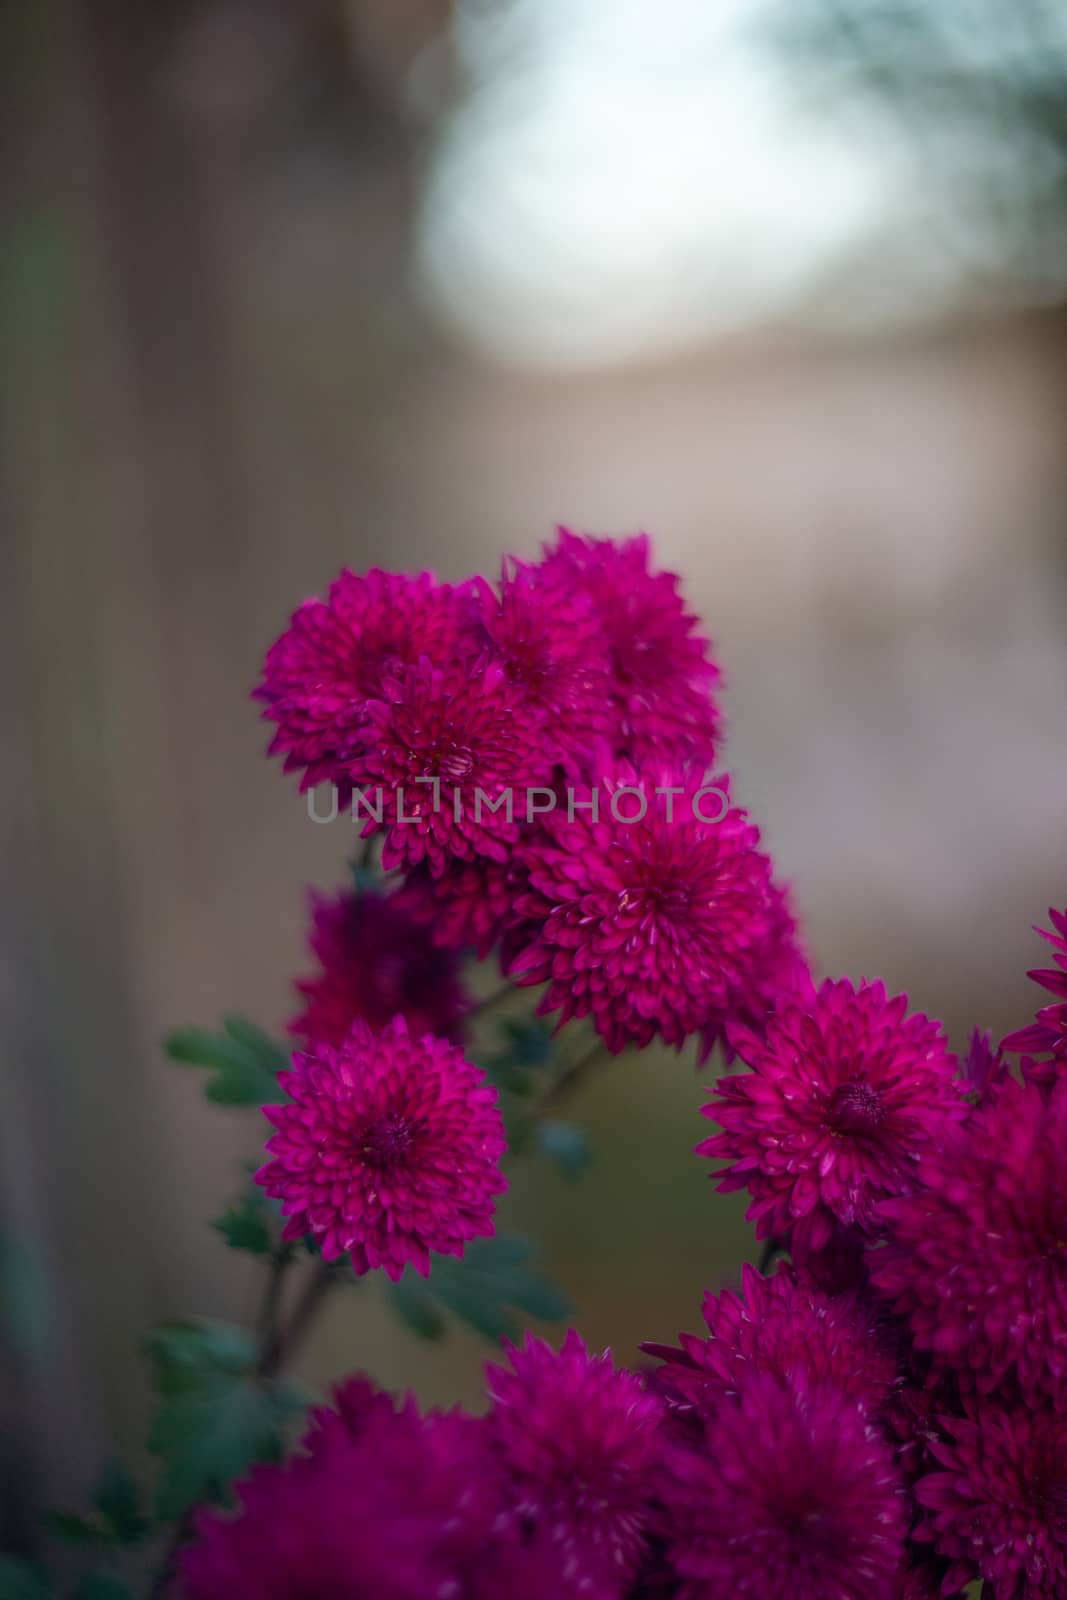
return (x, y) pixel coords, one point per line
(845, 1094)
(1049, 1031)
(783, 1327)
(977, 1259)
(792, 1492)
(649, 926)
(454, 753)
(998, 1509)
(548, 636)
(377, 960)
(389, 1148)
(366, 1516)
(579, 1445)
(663, 673)
(341, 652)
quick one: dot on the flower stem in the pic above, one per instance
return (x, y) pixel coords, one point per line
(281, 1342)
(277, 1344)
(569, 1080)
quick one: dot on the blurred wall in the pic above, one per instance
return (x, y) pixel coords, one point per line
(218, 390)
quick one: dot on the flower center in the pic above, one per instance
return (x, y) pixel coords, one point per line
(855, 1108)
(454, 761)
(385, 1142)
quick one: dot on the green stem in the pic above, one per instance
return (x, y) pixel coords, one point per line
(282, 1341)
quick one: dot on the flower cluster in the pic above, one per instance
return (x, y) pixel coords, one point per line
(929, 1199)
(883, 1415)
(538, 757)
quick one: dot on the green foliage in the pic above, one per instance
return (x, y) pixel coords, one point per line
(102, 1586)
(566, 1145)
(414, 1303)
(485, 1288)
(116, 1518)
(245, 1061)
(527, 1048)
(246, 1224)
(21, 1581)
(214, 1415)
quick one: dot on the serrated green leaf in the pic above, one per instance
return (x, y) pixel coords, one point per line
(271, 1053)
(115, 1520)
(21, 1581)
(246, 1224)
(213, 1417)
(491, 1282)
(245, 1062)
(102, 1586)
(566, 1145)
(211, 1436)
(186, 1347)
(415, 1306)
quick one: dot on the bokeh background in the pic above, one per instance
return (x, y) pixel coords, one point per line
(288, 284)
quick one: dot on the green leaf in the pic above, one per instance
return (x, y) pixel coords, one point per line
(487, 1286)
(244, 1059)
(115, 1520)
(20, 1581)
(102, 1586)
(214, 1417)
(246, 1224)
(415, 1305)
(118, 1501)
(566, 1145)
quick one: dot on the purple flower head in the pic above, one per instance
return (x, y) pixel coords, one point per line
(977, 1259)
(548, 635)
(663, 675)
(337, 654)
(791, 1492)
(998, 1508)
(369, 1514)
(453, 751)
(649, 926)
(1049, 1031)
(579, 1444)
(783, 1327)
(388, 1148)
(845, 1094)
(377, 960)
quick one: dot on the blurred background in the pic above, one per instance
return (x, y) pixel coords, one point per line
(289, 284)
